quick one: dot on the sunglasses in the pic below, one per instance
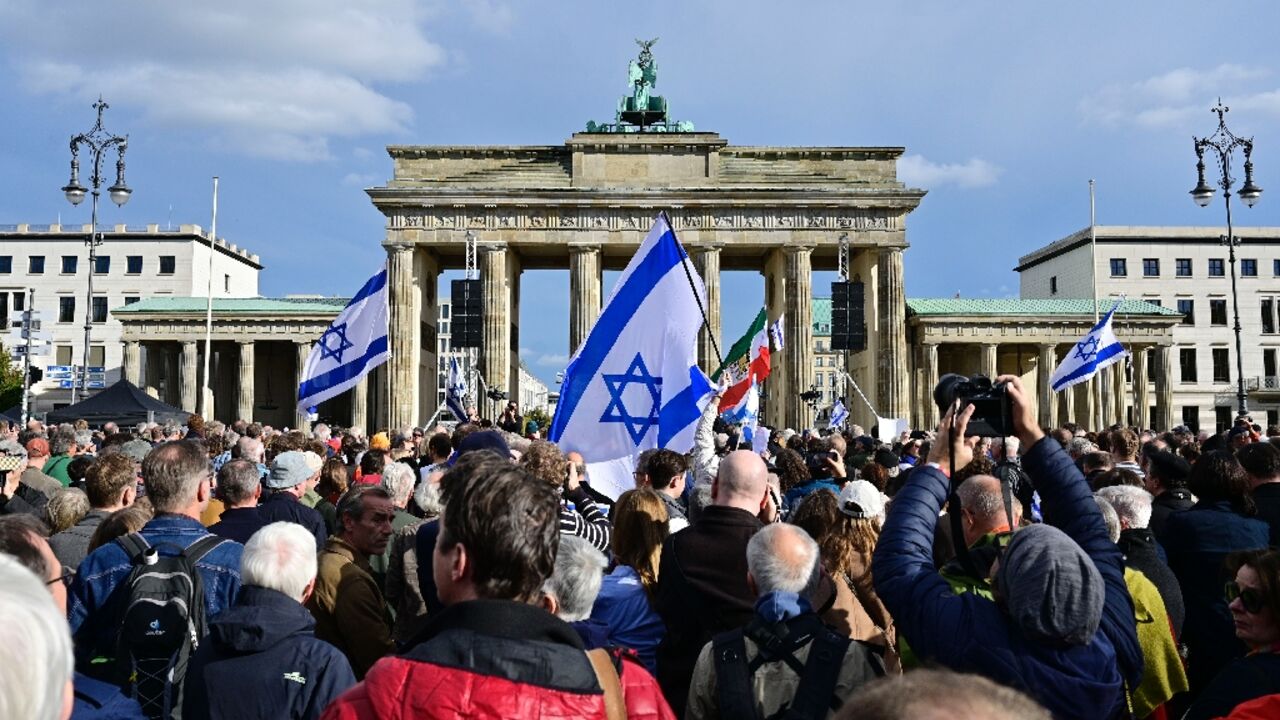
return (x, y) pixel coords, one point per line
(65, 578)
(1250, 598)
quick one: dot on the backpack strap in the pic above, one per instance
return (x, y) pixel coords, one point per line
(815, 695)
(198, 549)
(733, 678)
(615, 704)
(134, 545)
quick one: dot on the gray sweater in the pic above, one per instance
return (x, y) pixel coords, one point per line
(72, 545)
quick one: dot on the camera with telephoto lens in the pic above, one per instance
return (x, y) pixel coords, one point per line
(992, 407)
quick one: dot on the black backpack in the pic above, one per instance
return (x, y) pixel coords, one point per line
(164, 621)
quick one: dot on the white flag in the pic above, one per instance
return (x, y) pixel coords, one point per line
(1097, 350)
(635, 384)
(354, 344)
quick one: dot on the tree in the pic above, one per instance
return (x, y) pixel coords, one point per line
(539, 416)
(10, 380)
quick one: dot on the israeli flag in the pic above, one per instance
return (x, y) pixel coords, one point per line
(354, 344)
(635, 384)
(839, 413)
(1094, 352)
(456, 392)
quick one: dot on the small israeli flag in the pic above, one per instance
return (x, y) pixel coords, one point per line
(775, 332)
(354, 344)
(456, 392)
(839, 413)
(1095, 351)
(635, 383)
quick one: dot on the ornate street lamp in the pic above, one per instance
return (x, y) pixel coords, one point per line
(98, 141)
(1224, 143)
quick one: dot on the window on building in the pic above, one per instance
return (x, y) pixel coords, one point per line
(226, 284)
(35, 265)
(6, 264)
(19, 300)
(444, 328)
(1275, 268)
(1182, 267)
(1053, 285)
(1190, 417)
(817, 379)
(133, 264)
(131, 299)
(1155, 301)
(4, 310)
(66, 309)
(822, 346)
(98, 356)
(1248, 267)
(1221, 365)
(1151, 267)
(1217, 311)
(168, 264)
(1268, 316)
(69, 263)
(62, 355)
(1273, 417)
(1222, 418)
(1217, 268)
(101, 264)
(99, 308)
(444, 312)
(1119, 267)
(1187, 358)
(1188, 309)
(1270, 382)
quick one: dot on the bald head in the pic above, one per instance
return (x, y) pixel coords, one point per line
(742, 481)
(983, 506)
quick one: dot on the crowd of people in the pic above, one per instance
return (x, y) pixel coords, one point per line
(239, 571)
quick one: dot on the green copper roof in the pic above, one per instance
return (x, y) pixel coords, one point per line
(1038, 308)
(161, 304)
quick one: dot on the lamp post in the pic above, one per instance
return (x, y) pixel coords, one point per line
(1224, 143)
(98, 141)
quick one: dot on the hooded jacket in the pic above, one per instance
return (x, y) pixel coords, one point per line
(969, 633)
(1141, 553)
(262, 660)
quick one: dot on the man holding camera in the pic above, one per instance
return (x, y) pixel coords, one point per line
(512, 421)
(16, 496)
(1062, 627)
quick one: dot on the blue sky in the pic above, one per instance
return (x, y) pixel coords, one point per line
(1006, 111)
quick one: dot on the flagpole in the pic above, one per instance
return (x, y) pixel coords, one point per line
(859, 391)
(1095, 381)
(694, 288)
(208, 308)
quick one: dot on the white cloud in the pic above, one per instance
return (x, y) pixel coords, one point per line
(551, 360)
(361, 180)
(1181, 98)
(278, 79)
(495, 17)
(918, 171)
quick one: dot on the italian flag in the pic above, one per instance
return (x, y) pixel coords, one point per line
(747, 362)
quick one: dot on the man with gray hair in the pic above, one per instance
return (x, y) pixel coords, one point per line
(286, 484)
(1141, 552)
(262, 653)
(239, 487)
(783, 659)
(62, 445)
(398, 480)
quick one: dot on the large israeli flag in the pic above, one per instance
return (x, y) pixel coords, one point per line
(634, 384)
(1094, 352)
(456, 391)
(354, 344)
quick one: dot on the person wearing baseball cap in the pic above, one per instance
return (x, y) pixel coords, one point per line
(286, 483)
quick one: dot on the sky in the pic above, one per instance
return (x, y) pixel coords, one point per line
(1006, 110)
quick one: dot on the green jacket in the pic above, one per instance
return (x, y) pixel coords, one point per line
(56, 468)
(983, 552)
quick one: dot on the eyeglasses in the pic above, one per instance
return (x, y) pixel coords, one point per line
(65, 578)
(1250, 598)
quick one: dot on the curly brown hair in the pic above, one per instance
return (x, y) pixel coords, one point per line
(791, 470)
(544, 461)
(845, 543)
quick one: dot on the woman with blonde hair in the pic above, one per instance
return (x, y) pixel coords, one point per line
(625, 602)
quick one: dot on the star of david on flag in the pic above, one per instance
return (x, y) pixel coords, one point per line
(634, 383)
(1095, 351)
(354, 344)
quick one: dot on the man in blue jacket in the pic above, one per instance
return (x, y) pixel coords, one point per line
(262, 658)
(1062, 626)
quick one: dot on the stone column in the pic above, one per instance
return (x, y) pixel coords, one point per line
(189, 387)
(987, 359)
(244, 388)
(302, 350)
(863, 366)
(132, 362)
(1108, 403)
(893, 378)
(496, 351)
(360, 404)
(154, 368)
(1118, 386)
(929, 353)
(777, 397)
(1045, 396)
(799, 328)
(428, 358)
(404, 335)
(584, 292)
(1164, 389)
(707, 260)
(1141, 396)
(1085, 415)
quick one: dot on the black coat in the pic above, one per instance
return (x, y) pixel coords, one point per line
(281, 506)
(1166, 504)
(702, 591)
(1141, 553)
(1267, 498)
(262, 660)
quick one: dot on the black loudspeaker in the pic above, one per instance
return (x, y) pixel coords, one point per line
(467, 308)
(848, 328)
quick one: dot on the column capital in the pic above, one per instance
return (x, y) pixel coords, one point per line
(584, 247)
(796, 249)
(491, 246)
(707, 246)
(397, 246)
(242, 341)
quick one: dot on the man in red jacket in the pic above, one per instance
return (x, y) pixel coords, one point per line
(494, 652)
